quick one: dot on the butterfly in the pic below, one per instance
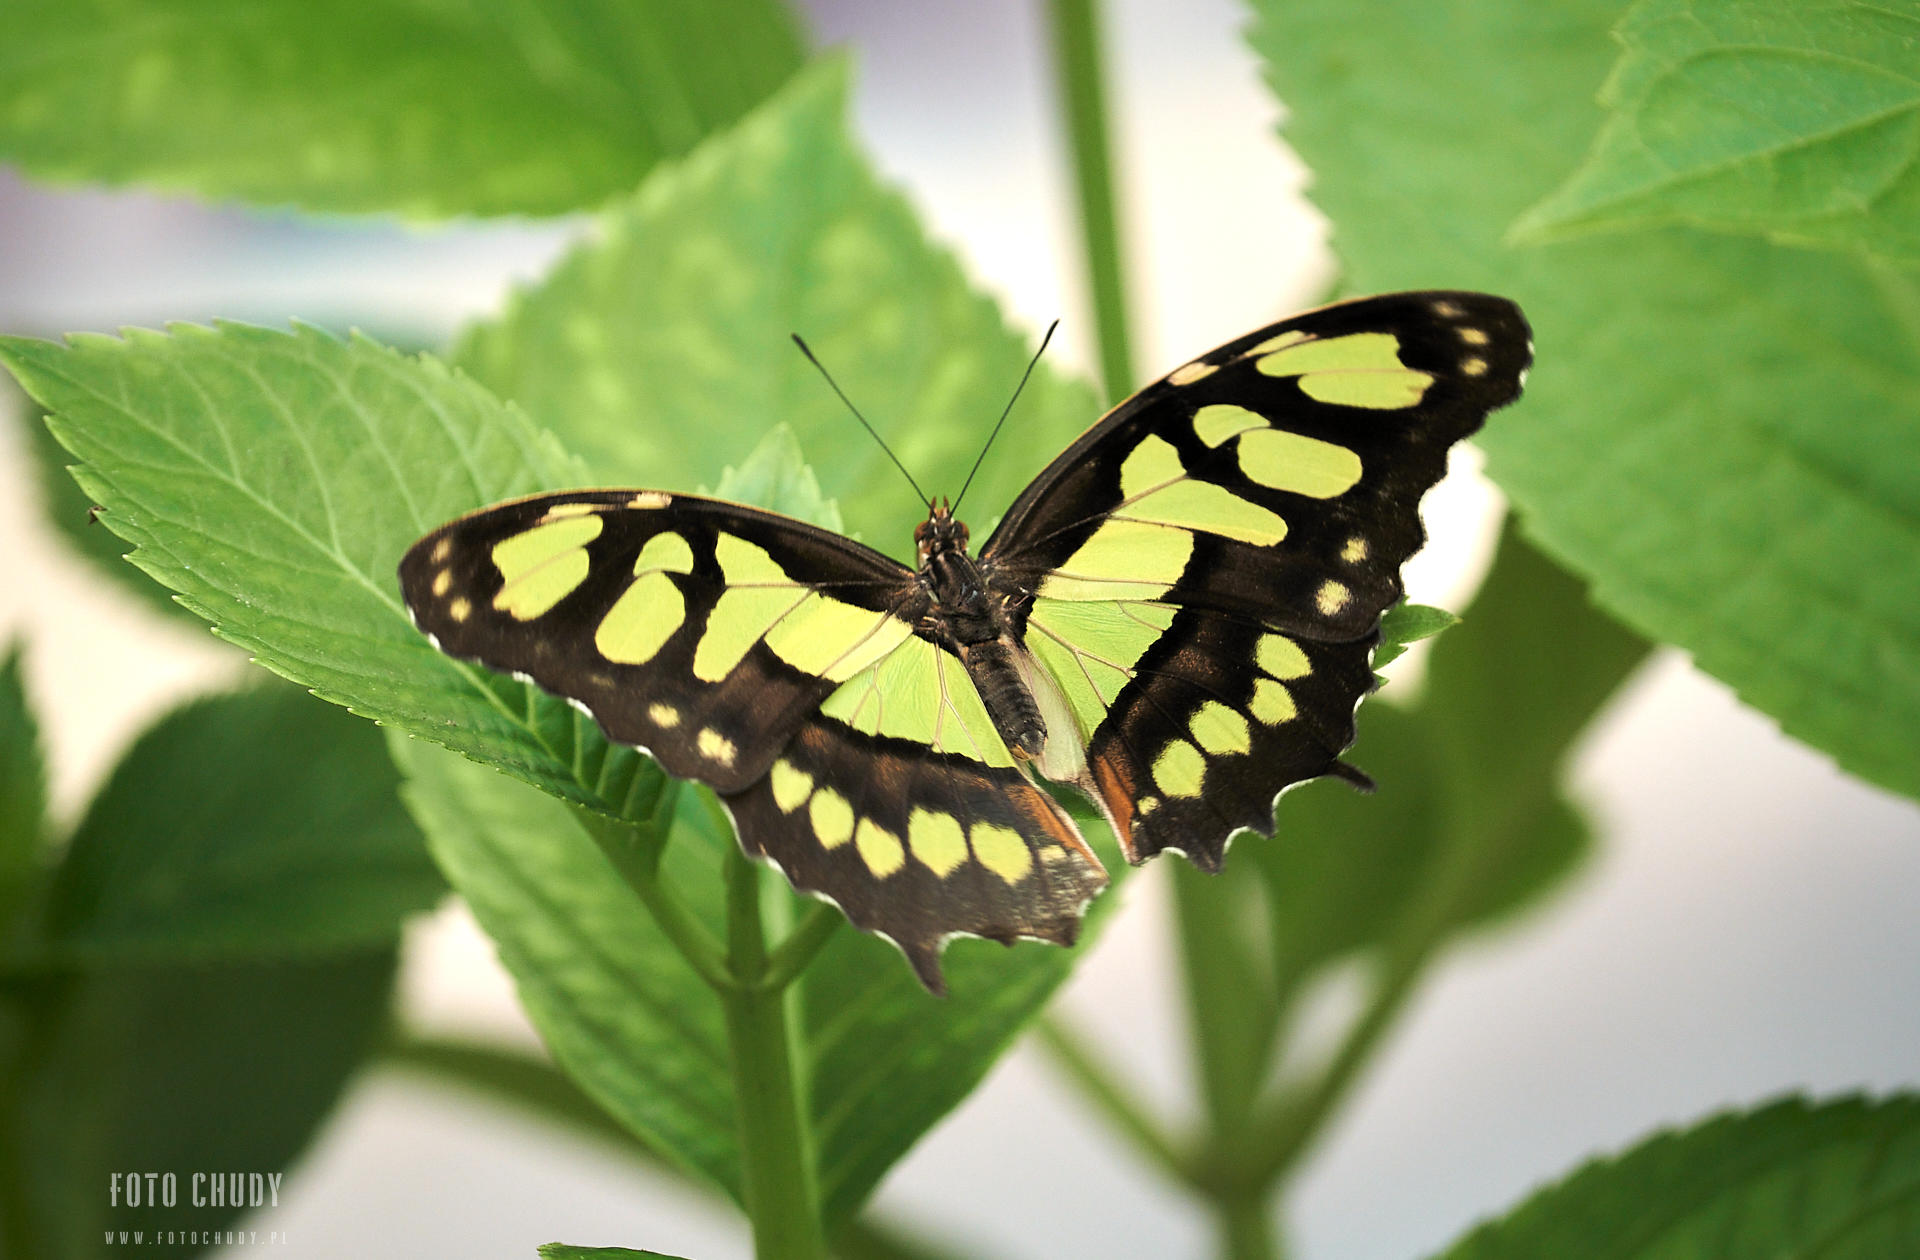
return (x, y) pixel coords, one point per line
(1177, 618)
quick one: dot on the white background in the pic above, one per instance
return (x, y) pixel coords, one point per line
(1748, 928)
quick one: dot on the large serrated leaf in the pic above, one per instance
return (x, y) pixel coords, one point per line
(242, 827)
(421, 107)
(1719, 431)
(1796, 121)
(273, 480)
(1792, 1181)
(660, 350)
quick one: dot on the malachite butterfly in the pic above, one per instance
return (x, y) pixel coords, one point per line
(1177, 617)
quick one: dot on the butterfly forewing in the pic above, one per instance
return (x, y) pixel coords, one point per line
(701, 631)
(1257, 503)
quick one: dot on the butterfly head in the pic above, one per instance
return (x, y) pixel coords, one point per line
(939, 532)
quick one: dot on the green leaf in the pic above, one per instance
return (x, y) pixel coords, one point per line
(243, 826)
(1406, 624)
(1719, 432)
(219, 1069)
(1468, 824)
(616, 1003)
(274, 481)
(23, 788)
(660, 350)
(1792, 1181)
(565, 1251)
(1795, 121)
(420, 107)
(73, 516)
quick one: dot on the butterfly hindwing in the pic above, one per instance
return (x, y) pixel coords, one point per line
(701, 631)
(916, 844)
(1216, 552)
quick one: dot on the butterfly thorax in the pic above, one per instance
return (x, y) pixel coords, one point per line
(968, 619)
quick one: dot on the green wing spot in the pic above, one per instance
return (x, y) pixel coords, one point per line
(879, 848)
(832, 818)
(1179, 769)
(835, 639)
(921, 693)
(1122, 560)
(791, 785)
(937, 840)
(1299, 465)
(539, 567)
(1158, 491)
(665, 552)
(1220, 730)
(1281, 657)
(1358, 370)
(1002, 851)
(641, 620)
(1272, 703)
(1220, 422)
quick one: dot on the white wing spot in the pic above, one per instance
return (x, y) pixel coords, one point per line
(1474, 367)
(1448, 310)
(1195, 371)
(716, 747)
(442, 549)
(650, 499)
(1332, 598)
(664, 715)
(1473, 336)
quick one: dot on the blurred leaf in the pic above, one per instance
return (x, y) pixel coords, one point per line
(423, 107)
(564, 1251)
(247, 826)
(218, 1069)
(1794, 120)
(23, 788)
(1791, 1181)
(775, 475)
(660, 349)
(616, 1003)
(1406, 624)
(1469, 796)
(1719, 432)
(274, 481)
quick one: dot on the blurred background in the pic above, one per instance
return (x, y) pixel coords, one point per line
(1747, 928)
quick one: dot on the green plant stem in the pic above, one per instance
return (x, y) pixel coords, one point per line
(1081, 87)
(1285, 1131)
(776, 1155)
(677, 923)
(1246, 1228)
(1076, 1060)
(801, 946)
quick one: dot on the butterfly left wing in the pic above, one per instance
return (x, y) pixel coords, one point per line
(698, 630)
(1204, 570)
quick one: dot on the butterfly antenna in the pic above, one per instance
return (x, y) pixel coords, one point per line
(1031, 363)
(862, 419)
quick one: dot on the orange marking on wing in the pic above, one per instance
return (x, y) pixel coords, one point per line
(1116, 792)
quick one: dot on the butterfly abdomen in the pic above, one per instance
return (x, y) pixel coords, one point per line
(1004, 692)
